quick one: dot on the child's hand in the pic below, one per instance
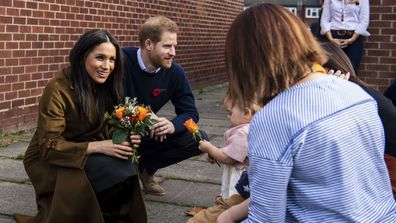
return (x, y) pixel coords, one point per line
(204, 146)
(209, 158)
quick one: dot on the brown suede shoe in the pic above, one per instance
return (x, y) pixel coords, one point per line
(150, 186)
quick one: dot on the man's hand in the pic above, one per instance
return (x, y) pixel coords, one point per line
(161, 128)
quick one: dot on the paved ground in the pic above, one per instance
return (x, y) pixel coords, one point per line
(193, 182)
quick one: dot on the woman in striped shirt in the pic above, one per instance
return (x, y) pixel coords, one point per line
(316, 148)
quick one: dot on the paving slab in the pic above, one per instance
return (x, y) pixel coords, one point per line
(6, 219)
(187, 193)
(159, 212)
(17, 198)
(12, 170)
(193, 170)
(14, 150)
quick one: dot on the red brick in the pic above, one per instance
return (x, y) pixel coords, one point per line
(24, 94)
(12, 62)
(12, 12)
(6, 53)
(10, 95)
(390, 31)
(18, 20)
(17, 103)
(31, 5)
(378, 67)
(18, 53)
(378, 52)
(5, 105)
(37, 91)
(12, 28)
(5, 3)
(5, 87)
(30, 101)
(32, 21)
(31, 84)
(18, 70)
(388, 2)
(378, 81)
(25, 29)
(25, 45)
(380, 38)
(26, 77)
(388, 60)
(391, 17)
(43, 6)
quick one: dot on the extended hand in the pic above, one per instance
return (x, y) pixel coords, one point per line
(204, 146)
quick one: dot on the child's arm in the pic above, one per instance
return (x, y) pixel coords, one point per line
(215, 152)
(235, 213)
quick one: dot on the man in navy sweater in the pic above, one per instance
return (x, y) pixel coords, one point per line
(153, 78)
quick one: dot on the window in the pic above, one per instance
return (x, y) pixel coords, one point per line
(292, 9)
(311, 13)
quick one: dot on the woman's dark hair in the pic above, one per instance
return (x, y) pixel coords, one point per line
(338, 60)
(91, 97)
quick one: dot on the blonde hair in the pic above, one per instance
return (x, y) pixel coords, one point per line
(277, 52)
(154, 27)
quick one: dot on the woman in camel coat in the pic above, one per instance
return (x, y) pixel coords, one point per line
(78, 174)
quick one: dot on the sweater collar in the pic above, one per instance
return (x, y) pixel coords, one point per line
(141, 64)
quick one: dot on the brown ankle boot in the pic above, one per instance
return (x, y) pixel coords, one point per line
(150, 186)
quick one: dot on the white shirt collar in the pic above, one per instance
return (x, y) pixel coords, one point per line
(141, 64)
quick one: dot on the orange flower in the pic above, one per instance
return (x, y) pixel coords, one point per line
(142, 113)
(119, 112)
(191, 126)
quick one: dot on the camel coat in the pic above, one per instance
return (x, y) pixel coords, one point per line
(55, 160)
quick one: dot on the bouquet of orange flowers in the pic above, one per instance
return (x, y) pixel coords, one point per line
(127, 118)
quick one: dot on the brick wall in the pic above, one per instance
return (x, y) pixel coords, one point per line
(379, 62)
(36, 36)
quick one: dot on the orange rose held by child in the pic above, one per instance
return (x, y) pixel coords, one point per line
(191, 126)
(119, 112)
(142, 113)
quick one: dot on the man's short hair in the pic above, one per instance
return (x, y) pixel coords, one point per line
(154, 27)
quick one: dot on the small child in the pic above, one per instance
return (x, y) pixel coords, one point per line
(233, 155)
(238, 212)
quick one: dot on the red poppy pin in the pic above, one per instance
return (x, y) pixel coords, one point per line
(157, 91)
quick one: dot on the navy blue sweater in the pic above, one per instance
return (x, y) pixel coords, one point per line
(157, 89)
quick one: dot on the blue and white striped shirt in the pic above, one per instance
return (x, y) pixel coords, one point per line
(316, 154)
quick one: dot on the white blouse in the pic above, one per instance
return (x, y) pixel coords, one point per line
(345, 15)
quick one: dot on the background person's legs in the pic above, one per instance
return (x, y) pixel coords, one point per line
(355, 52)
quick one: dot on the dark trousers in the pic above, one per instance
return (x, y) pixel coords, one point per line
(354, 51)
(123, 202)
(175, 148)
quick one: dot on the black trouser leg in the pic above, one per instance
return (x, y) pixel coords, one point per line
(176, 148)
(111, 200)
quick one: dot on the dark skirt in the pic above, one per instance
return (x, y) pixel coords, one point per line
(105, 171)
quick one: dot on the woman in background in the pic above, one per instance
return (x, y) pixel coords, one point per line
(344, 22)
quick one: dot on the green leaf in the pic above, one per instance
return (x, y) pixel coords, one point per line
(120, 135)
